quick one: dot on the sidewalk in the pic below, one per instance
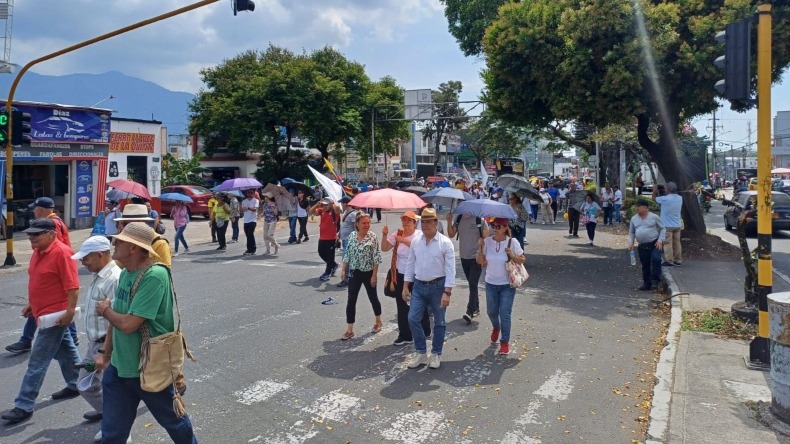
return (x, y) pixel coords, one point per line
(710, 390)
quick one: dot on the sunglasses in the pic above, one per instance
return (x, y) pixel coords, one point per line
(38, 234)
(497, 226)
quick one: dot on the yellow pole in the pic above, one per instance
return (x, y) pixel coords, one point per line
(759, 349)
(9, 152)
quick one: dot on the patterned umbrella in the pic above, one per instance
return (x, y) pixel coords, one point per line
(130, 187)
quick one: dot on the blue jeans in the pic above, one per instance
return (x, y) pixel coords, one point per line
(617, 212)
(533, 211)
(29, 331)
(423, 296)
(650, 258)
(292, 226)
(180, 237)
(499, 302)
(51, 343)
(234, 225)
(123, 395)
(607, 215)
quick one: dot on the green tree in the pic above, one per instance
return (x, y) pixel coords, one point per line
(487, 138)
(386, 97)
(182, 171)
(554, 61)
(448, 116)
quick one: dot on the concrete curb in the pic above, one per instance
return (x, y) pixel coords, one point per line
(665, 370)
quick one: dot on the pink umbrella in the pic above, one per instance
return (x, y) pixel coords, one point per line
(130, 187)
(387, 199)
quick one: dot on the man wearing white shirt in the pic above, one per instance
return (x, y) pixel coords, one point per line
(431, 266)
(618, 203)
(249, 214)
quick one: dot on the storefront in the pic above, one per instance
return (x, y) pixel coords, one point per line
(69, 148)
(136, 148)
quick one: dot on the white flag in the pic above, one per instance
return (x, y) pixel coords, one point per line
(484, 174)
(333, 190)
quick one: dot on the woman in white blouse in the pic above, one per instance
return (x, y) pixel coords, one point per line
(494, 252)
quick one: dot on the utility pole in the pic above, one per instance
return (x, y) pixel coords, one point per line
(714, 147)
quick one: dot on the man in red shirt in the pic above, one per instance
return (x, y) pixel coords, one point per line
(43, 207)
(327, 234)
(53, 289)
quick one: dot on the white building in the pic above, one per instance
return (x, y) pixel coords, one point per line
(781, 148)
(136, 150)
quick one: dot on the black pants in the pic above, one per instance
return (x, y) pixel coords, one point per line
(221, 234)
(378, 214)
(249, 231)
(573, 221)
(326, 251)
(472, 271)
(404, 330)
(591, 230)
(212, 225)
(302, 228)
(358, 279)
(650, 258)
(554, 209)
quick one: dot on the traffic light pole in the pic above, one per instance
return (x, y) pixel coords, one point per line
(760, 347)
(9, 152)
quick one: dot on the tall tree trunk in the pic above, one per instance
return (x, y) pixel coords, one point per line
(665, 156)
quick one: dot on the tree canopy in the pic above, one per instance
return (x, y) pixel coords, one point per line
(601, 62)
(448, 115)
(259, 101)
(487, 137)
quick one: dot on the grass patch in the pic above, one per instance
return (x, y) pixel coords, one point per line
(719, 322)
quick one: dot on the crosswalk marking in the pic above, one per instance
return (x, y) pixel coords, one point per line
(415, 427)
(259, 392)
(334, 405)
(556, 388)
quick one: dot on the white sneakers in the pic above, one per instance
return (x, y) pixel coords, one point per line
(97, 438)
(419, 359)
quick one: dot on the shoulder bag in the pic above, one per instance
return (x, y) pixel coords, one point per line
(391, 281)
(516, 273)
(162, 357)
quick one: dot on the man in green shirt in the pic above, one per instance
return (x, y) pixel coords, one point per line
(152, 302)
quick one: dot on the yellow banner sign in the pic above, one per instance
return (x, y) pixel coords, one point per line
(132, 143)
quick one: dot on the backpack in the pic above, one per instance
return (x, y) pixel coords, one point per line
(478, 221)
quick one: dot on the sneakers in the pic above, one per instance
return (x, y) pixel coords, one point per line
(98, 437)
(186, 250)
(93, 416)
(324, 277)
(494, 335)
(16, 415)
(476, 313)
(504, 348)
(667, 264)
(334, 271)
(18, 347)
(433, 361)
(417, 360)
(342, 284)
(232, 241)
(468, 317)
(401, 341)
(66, 393)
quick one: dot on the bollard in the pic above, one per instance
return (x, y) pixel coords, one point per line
(779, 316)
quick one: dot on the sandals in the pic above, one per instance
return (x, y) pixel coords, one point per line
(376, 328)
(346, 336)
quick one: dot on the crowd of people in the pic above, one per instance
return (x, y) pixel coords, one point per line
(132, 288)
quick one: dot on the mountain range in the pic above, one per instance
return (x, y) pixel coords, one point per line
(133, 98)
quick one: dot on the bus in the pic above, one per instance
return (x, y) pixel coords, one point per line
(509, 165)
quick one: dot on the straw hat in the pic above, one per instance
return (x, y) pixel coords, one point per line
(139, 234)
(135, 213)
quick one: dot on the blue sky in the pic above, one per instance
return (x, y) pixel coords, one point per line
(407, 39)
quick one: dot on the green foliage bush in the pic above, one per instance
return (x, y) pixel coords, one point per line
(629, 207)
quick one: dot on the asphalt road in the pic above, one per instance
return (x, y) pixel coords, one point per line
(780, 240)
(271, 367)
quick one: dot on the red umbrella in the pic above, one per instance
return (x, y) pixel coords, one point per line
(387, 199)
(130, 187)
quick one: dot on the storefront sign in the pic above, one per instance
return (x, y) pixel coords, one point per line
(48, 151)
(132, 143)
(83, 198)
(50, 124)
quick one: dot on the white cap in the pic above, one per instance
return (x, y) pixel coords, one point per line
(93, 244)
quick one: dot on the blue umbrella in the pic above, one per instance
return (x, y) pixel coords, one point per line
(446, 196)
(239, 183)
(291, 183)
(485, 208)
(177, 197)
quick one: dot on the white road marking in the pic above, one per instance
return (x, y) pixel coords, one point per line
(297, 434)
(333, 405)
(241, 329)
(557, 388)
(415, 427)
(260, 391)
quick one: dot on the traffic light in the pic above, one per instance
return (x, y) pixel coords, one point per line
(243, 5)
(3, 128)
(736, 61)
(21, 128)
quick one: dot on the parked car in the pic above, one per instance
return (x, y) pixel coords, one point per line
(401, 184)
(780, 211)
(199, 195)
